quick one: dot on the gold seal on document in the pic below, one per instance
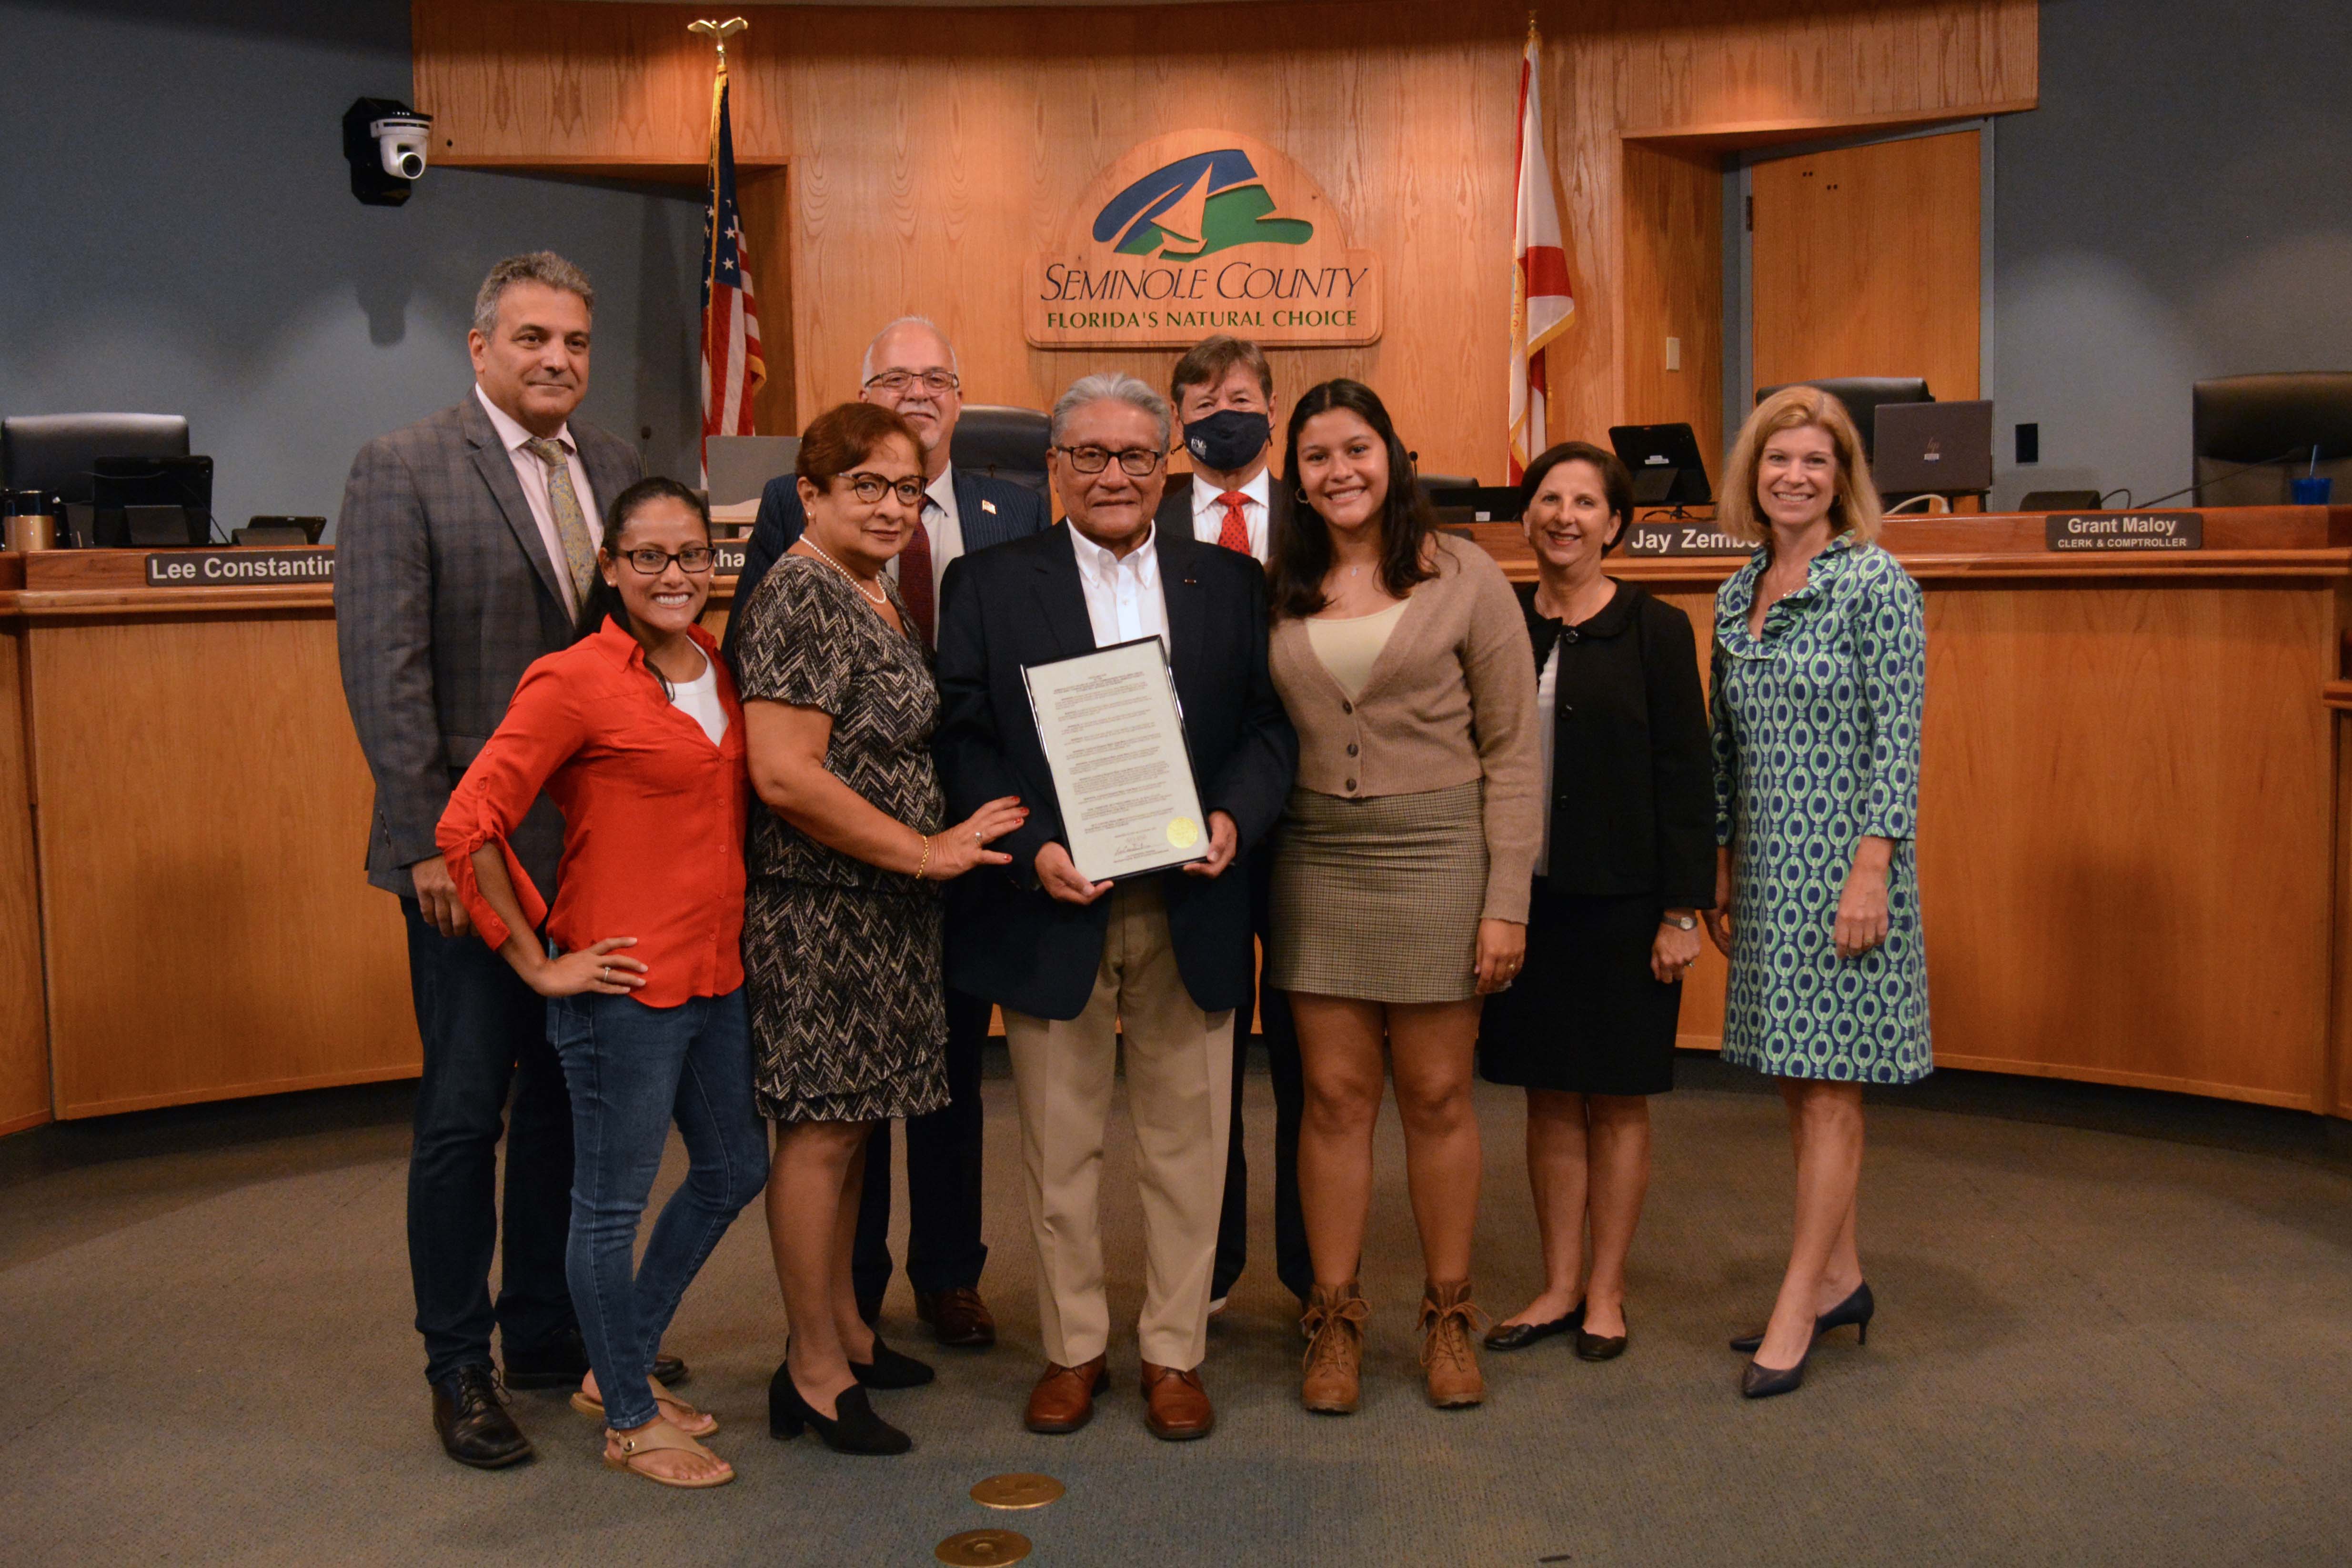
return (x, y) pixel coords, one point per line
(1183, 833)
(1021, 1490)
(982, 1548)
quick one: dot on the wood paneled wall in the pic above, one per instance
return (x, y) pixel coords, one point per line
(931, 151)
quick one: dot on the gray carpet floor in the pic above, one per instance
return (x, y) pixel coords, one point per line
(2113, 1329)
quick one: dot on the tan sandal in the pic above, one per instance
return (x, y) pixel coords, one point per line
(676, 1411)
(659, 1437)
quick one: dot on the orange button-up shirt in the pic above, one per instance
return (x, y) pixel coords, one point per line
(654, 815)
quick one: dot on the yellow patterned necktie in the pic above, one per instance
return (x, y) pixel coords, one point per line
(571, 526)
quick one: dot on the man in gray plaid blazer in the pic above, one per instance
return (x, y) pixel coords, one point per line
(465, 547)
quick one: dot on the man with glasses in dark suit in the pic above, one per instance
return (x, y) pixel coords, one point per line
(466, 546)
(910, 367)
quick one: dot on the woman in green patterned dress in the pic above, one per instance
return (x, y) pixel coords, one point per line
(1819, 667)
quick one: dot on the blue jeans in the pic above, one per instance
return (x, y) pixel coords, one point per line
(633, 1069)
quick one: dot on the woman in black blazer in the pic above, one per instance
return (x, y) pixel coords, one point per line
(1628, 861)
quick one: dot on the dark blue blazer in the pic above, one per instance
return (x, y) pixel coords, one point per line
(990, 510)
(1008, 940)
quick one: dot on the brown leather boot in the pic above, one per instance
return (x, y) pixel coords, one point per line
(1448, 1353)
(1333, 1367)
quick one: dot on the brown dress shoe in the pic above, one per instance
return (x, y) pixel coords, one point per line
(1176, 1406)
(1063, 1399)
(959, 1317)
(1333, 1367)
(1448, 1355)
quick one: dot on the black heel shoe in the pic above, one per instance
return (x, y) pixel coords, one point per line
(1764, 1382)
(888, 1369)
(1857, 1309)
(853, 1428)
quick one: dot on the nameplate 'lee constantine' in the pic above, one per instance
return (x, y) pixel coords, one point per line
(239, 568)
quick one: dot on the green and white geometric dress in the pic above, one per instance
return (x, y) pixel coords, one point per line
(1816, 726)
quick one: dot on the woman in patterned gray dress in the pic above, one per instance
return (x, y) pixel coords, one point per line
(1820, 667)
(841, 929)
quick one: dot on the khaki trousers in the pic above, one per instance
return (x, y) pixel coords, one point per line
(1179, 1081)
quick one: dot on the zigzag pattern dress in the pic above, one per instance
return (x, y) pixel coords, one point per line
(841, 958)
(1816, 739)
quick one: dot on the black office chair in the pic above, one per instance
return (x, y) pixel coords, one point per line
(1862, 394)
(2272, 422)
(1005, 442)
(56, 452)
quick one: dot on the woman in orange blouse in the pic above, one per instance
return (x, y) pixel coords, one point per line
(635, 734)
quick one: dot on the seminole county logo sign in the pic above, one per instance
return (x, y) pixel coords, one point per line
(1202, 232)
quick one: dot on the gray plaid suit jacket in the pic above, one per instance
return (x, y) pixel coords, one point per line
(444, 595)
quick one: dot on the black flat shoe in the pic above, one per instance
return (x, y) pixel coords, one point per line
(854, 1428)
(1600, 1347)
(1857, 1309)
(1520, 1336)
(888, 1369)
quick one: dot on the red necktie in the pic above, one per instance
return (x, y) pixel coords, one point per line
(915, 576)
(1233, 534)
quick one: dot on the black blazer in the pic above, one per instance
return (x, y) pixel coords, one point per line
(989, 509)
(1007, 939)
(1632, 780)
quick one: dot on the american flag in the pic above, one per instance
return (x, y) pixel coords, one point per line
(731, 367)
(1541, 303)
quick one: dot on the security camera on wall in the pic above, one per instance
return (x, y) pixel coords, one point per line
(388, 144)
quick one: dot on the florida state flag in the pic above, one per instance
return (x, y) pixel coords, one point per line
(1540, 302)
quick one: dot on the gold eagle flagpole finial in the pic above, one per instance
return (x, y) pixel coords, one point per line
(719, 33)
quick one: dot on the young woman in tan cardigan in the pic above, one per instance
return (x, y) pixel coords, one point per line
(1401, 893)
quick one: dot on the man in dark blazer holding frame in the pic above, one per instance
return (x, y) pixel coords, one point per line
(465, 550)
(1161, 959)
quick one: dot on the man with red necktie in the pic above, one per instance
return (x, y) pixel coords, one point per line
(910, 367)
(1224, 394)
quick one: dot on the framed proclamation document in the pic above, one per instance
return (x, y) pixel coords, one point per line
(1114, 740)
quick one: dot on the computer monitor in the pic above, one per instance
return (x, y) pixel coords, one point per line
(1668, 469)
(146, 502)
(1933, 449)
(1477, 503)
(2249, 434)
(58, 453)
(1862, 395)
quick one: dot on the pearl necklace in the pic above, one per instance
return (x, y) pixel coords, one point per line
(879, 598)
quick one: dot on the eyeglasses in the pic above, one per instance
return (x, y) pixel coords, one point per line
(898, 380)
(871, 487)
(1135, 462)
(654, 563)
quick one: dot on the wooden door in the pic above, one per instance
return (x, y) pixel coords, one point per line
(1864, 261)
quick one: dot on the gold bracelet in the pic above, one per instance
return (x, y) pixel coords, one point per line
(923, 865)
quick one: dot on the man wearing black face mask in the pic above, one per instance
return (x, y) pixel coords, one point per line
(1223, 394)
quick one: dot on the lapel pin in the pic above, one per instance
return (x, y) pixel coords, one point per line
(988, 507)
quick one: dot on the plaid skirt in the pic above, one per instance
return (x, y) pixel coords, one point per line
(1378, 899)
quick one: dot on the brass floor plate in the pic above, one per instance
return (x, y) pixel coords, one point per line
(982, 1548)
(1020, 1490)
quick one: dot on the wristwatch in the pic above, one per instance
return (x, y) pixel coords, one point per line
(1680, 922)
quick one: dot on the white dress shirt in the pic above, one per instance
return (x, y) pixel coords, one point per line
(1123, 597)
(942, 525)
(533, 474)
(1209, 512)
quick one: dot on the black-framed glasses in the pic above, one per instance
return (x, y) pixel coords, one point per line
(1135, 462)
(654, 563)
(898, 380)
(872, 487)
